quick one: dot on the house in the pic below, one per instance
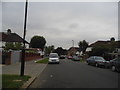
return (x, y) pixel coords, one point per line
(10, 37)
(89, 48)
(103, 43)
(15, 55)
(74, 50)
(112, 54)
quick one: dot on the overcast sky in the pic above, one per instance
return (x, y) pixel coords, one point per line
(62, 22)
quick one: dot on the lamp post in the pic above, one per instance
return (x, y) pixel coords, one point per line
(73, 43)
(24, 34)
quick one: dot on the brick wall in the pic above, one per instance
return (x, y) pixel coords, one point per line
(7, 59)
(28, 57)
(32, 56)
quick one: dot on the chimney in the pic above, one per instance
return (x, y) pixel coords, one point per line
(9, 31)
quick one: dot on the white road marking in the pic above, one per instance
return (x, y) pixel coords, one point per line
(51, 76)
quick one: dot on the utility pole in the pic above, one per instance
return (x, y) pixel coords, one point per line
(23, 50)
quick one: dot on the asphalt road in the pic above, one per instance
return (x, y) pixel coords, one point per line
(74, 74)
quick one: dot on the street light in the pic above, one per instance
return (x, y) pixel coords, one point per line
(73, 42)
(23, 50)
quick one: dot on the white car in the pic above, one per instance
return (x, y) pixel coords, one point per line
(54, 58)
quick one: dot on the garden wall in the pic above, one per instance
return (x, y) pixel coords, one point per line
(15, 56)
(32, 56)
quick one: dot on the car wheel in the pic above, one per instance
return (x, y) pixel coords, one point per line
(96, 65)
(113, 68)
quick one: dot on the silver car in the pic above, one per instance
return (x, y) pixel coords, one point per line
(97, 61)
(54, 58)
(75, 58)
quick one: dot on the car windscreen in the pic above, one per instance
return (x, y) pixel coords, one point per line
(99, 58)
(53, 56)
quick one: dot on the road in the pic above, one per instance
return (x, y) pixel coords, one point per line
(74, 74)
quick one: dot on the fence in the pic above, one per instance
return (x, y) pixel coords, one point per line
(15, 56)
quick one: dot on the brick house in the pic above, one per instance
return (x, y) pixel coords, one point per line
(74, 50)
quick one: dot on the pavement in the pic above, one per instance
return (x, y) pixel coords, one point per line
(31, 68)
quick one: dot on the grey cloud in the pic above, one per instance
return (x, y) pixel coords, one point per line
(74, 25)
(60, 23)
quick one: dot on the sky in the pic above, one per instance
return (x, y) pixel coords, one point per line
(62, 22)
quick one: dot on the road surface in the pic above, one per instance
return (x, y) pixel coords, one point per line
(75, 74)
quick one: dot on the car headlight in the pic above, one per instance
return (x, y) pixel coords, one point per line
(57, 59)
(50, 59)
(107, 62)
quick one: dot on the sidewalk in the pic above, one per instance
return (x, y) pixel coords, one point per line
(31, 68)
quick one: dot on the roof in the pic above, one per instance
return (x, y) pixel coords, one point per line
(77, 48)
(99, 42)
(104, 42)
(11, 37)
(38, 49)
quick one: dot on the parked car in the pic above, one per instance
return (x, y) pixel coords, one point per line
(115, 64)
(75, 58)
(69, 57)
(62, 56)
(97, 61)
(107, 64)
(54, 58)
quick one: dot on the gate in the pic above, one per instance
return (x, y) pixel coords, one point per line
(15, 56)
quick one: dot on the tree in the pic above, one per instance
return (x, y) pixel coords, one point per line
(18, 46)
(60, 51)
(83, 46)
(113, 46)
(13, 46)
(49, 49)
(9, 45)
(37, 42)
(99, 50)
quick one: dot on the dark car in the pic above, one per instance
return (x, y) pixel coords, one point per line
(97, 61)
(115, 64)
(62, 56)
(76, 58)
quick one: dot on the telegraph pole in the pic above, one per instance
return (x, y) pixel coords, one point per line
(24, 34)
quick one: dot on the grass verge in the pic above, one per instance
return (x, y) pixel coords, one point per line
(44, 61)
(13, 81)
(82, 60)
